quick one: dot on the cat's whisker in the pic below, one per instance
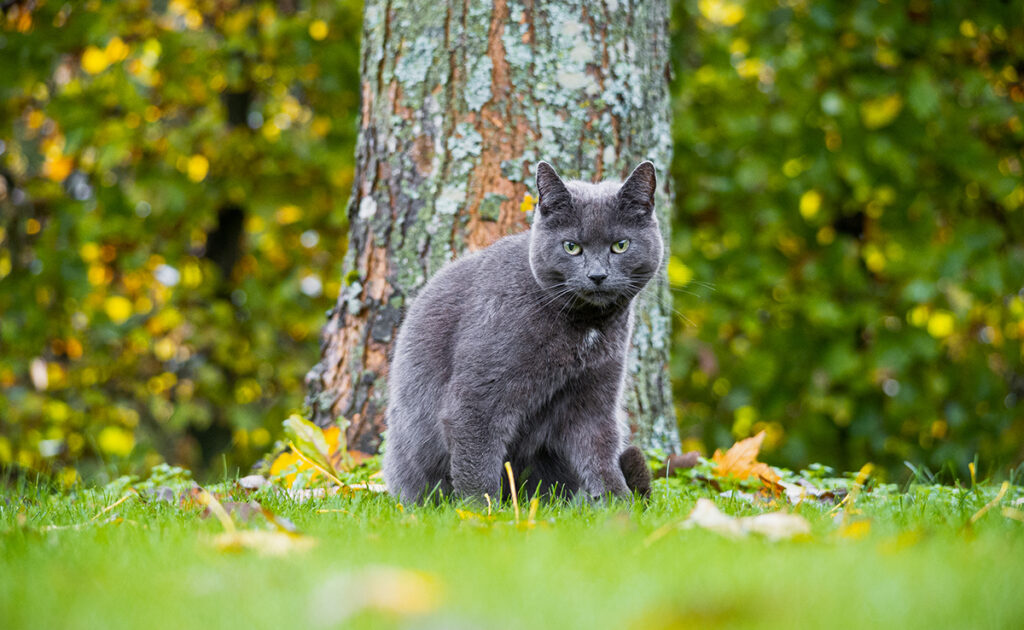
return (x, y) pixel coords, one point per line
(696, 295)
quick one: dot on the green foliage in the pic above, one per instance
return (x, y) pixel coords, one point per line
(171, 222)
(173, 178)
(848, 178)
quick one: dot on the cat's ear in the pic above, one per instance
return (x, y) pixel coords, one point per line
(551, 188)
(637, 191)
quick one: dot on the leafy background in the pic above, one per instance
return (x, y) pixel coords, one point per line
(849, 179)
(849, 238)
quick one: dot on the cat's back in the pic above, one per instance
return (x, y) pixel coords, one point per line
(463, 290)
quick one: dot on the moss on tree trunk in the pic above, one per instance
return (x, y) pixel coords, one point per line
(460, 98)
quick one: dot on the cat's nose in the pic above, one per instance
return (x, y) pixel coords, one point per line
(597, 277)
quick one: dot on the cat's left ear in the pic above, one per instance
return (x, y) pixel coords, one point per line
(638, 189)
(553, 193)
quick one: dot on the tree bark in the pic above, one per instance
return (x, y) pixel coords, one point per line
(460, 99)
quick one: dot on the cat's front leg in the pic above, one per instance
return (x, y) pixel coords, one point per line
(592, 446)
(477, 444)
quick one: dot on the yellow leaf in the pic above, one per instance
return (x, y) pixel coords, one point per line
(855, 530)
(318, 30)
(740, 462)
(744, 418)
(918, 316)
(879, 112)
(288, 214)
(941, 324)
(679, 275)
(528, 203)
(94, 60)
(268, 543)
(116, 441)
(57, 168)
(116, 50)
(721, 12)
(198, 167)
(90, 252)
(118, 308)
(283, 462)
(381, 589)
(810, 203)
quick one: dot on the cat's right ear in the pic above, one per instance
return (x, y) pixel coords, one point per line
(551, 188)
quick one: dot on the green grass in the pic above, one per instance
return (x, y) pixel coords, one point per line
(919, 566)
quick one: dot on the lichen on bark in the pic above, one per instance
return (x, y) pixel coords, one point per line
(459, 100)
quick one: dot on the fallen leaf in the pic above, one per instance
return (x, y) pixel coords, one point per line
(740, 462)
(802, 490)
(773, 525)
(269, 543)
(855, 530)
(280, 523)
(384, 589)
(706, 515)
(777, 525)
(240, 511)
(286, 467)
(1013, 513)
(310, 440)
(302, 495)
(162, 493)
(252, 482)
(368, 487)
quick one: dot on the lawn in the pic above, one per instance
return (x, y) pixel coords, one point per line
(118, 557)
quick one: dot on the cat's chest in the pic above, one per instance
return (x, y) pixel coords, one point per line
(589, 347)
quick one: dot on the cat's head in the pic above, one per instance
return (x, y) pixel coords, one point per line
(598, 243)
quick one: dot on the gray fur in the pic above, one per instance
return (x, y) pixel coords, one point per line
(513, 353)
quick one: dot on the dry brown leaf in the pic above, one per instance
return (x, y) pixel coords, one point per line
(740, 462)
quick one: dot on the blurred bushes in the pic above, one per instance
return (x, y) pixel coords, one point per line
(848, 174)
(172, 186)
(849, 178)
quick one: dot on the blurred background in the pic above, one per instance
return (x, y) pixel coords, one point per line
(848, 233)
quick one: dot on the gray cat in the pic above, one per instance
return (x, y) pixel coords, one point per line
(518, 352)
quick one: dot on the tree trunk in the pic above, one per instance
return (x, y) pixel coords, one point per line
(460, 99)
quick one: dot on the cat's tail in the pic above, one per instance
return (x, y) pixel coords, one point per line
(634, 468)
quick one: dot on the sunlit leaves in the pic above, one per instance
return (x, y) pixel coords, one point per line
(856, 210)
(127, 129)
(810, 203)
(879, 112)
(197, 168)
(318, 30)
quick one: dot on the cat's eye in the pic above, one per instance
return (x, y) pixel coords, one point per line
(620, 246)
(572, 248)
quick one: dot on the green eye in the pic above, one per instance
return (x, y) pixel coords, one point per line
(621, 246)
(571, 248)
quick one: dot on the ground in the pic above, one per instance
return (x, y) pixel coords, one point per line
(906, 557)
